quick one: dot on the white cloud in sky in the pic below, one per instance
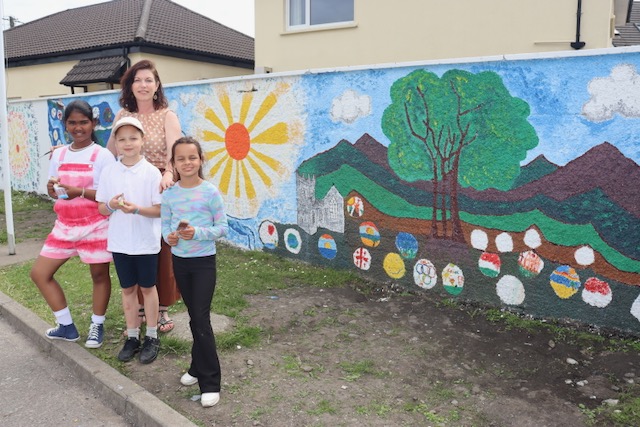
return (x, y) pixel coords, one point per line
(618, 93)
(350, 106)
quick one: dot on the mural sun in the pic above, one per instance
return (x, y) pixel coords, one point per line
(252, 148)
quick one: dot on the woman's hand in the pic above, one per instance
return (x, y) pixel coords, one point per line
(167, 180)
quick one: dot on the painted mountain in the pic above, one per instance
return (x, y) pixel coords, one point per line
(593, 200)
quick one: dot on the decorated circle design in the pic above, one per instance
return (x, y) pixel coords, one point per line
(268, 234)
(504, 242)
(407, 245)
(292, 240)
(394, 265)
(596, 293)
(425, 274)
(453, 279)
(565, 281)
(530, 264)
(327, 246)
(510, 290)
(489, 264)
(355, 207)
(479, 240)
(369, 234)
(362, 258)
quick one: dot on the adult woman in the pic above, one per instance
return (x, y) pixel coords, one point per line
(142, 97)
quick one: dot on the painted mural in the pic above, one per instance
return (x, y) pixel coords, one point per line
(515, 183)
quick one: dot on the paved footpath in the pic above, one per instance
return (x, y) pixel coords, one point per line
(54, 383)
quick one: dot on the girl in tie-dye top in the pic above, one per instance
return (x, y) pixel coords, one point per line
(80, 229)
(193, 218)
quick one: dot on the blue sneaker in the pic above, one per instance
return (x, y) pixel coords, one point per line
(96, 335)
(63, 332)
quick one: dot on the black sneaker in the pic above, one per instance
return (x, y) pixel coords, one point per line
(150, 349)
(131, 347)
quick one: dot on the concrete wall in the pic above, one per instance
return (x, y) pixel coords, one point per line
(511, 181)
(388, 31)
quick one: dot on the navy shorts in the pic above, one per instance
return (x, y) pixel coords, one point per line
(141, 270)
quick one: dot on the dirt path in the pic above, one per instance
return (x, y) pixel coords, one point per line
(336, 358)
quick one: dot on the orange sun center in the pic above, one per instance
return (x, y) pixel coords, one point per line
(237, 141)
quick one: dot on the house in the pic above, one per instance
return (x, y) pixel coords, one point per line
(88, 48)
(629, 33)
(303, 34)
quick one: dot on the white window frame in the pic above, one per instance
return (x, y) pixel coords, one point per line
(307, 19)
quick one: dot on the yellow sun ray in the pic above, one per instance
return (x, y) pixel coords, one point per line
(236, 171)
(208, 155)
(207, 135)
(275, 135)
(268, 103)
(225, 102)
(225, 179)
(273, 163)
(261, 173)
(249, 188)
(247, 99)
(211, 115)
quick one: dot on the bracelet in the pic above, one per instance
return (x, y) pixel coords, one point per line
(137, 211)
(82, 195)
(111, 210)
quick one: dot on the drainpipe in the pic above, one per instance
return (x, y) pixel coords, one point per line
(578, 44)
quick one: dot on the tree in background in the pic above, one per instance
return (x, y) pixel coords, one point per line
(461, 129)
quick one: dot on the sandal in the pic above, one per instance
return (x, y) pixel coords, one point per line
(164, 325)
(142, 320)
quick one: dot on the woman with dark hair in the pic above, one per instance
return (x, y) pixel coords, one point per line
(142, 97)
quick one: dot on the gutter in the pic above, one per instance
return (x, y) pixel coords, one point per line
(578, 44)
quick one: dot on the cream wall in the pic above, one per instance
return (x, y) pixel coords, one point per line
(36, 81)
(389, 31)
(44, 80)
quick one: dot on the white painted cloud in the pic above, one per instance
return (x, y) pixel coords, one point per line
(618, 93)
(350, 106)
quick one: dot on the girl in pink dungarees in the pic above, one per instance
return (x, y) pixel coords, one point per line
(80, 229)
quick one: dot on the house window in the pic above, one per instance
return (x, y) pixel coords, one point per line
(306, 13)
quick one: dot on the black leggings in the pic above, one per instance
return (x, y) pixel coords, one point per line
(196, 279)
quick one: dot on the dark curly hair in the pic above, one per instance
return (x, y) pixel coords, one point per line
(127, 98)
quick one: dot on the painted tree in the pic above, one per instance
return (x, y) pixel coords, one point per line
(461, 129)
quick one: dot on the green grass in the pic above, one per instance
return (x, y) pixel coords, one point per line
(25, 208)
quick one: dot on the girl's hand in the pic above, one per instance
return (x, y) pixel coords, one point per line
(50, 191)
(172, 238)
(186, 233)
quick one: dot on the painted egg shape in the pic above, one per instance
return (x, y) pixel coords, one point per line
(292, 240)
(565, 281)
(425, 274)
(407, 245)
(268, 234)
(394, 266)
(362, 258)
(452, 279)
(355, 207)
(596, 293)
(327, 246)
(369, 234)
(489, 264)
(530, 264)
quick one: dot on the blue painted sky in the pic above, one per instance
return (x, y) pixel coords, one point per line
(555, 89)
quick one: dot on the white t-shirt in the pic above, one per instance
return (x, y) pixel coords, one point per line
(104, 158)
(132, 234)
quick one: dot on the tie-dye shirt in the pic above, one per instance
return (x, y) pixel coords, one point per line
(203, 207)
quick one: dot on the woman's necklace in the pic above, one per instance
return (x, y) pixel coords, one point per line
(80, 149)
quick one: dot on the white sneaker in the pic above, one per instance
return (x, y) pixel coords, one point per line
(187, 379)
(209, 399)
